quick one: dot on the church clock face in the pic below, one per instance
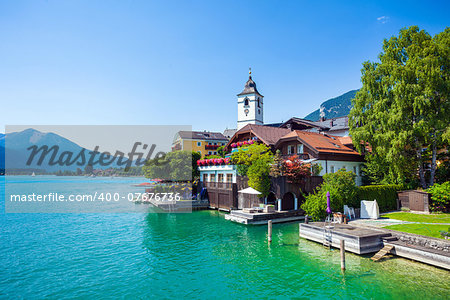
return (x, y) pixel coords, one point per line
(246, 111)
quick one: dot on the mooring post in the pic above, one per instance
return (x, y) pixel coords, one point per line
(342, 255)
(306, 219)
(269, 231)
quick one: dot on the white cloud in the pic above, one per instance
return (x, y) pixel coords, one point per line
(383, 19)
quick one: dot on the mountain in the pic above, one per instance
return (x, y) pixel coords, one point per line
(335, 107)
(17, 144)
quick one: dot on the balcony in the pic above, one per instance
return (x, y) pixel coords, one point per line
(218, 185)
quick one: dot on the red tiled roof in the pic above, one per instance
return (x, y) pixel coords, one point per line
(346, 140)
(322, 143)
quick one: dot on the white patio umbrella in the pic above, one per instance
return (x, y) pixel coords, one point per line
(250, 190)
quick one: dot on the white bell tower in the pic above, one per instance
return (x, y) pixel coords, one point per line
(250, 105)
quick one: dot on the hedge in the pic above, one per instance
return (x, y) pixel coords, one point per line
(386, 195)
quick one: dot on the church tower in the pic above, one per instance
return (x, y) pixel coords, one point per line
(250, 105)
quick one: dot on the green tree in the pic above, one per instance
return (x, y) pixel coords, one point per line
(254, 161)
(245, 156)
(277, 167)
(175, 166)
(195, 171)
(258, 176)
(402, 109)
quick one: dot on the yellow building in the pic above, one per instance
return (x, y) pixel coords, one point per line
(203, 142)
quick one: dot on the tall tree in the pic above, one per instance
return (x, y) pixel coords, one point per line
(255, 161)
(402, 111)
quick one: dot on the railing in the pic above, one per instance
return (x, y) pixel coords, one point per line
(218, 185)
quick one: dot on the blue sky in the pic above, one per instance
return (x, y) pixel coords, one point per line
(183, 62)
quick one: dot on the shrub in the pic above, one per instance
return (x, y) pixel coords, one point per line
(342, 188)
(296, 170)
(386, 196)
(440, 197)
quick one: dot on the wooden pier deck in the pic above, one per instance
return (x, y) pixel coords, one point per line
(357, 240)
(260, 218)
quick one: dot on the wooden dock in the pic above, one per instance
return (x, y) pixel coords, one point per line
(357, 240)
(362, 240)
(260, 218)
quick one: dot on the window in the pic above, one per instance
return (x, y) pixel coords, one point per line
(215, 152)
(223, 144)
(299, 148)
(220, 178)
(246, 102)
(258, 104)
(199, 144)
(332, 169)
(290, 149)
(205, 177)
(209, 143)
(212, 177)
(229, 177)
(215, 143)
(209, 152)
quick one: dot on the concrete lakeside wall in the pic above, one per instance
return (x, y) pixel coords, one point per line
(423, 241)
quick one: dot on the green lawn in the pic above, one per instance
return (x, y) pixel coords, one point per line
(411, 217)
(422, 229)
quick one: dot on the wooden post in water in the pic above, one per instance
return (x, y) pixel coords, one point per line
(342, 255)
(269, 231)
(306, 219)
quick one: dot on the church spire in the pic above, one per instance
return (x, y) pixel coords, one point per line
(250, 85)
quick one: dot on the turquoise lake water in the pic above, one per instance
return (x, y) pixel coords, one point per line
(195, 255)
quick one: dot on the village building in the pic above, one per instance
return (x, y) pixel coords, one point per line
(323, 149)
(203, 142)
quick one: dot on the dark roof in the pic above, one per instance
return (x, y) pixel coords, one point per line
(267, 134)
(340, 123)
(202, 135)
(229, 132)
(250, 87)
(298, 123)
(274, 124)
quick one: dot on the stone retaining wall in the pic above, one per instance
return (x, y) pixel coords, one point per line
(423, 241)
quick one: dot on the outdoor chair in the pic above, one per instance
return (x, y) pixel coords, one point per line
(350, 212)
